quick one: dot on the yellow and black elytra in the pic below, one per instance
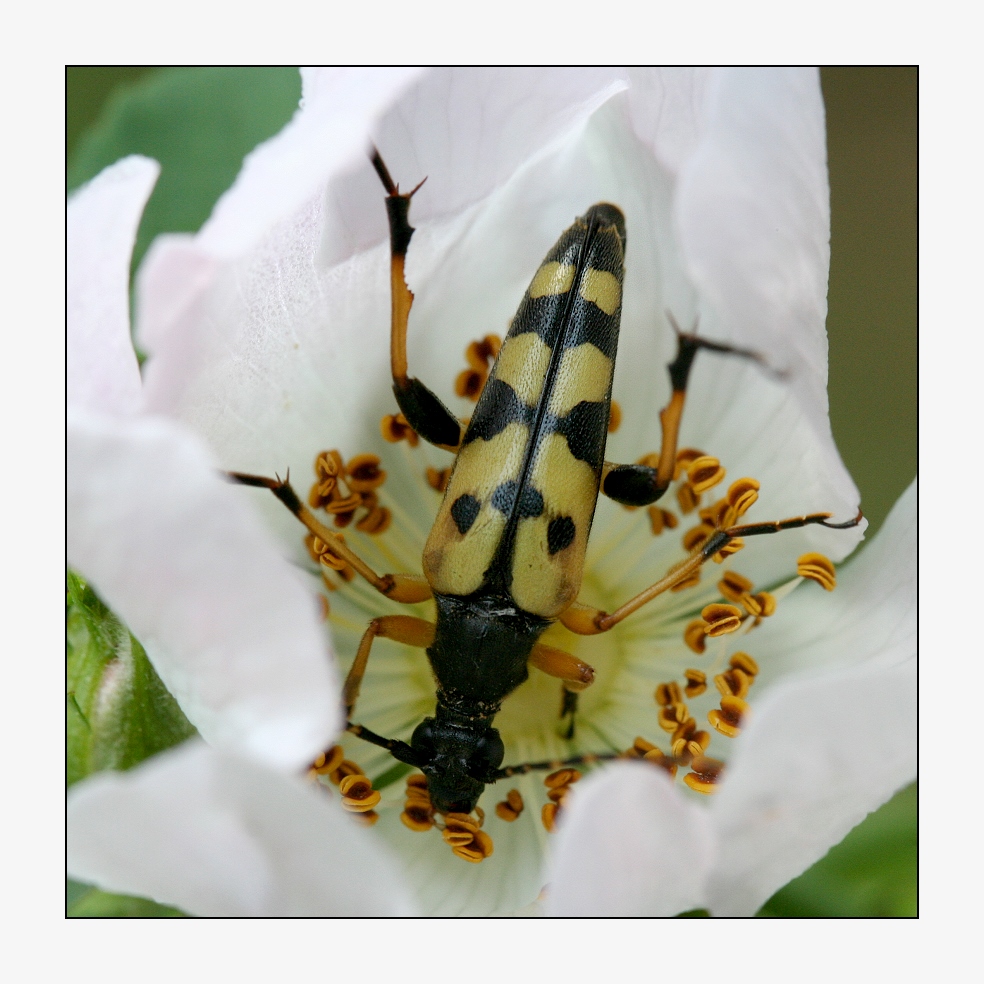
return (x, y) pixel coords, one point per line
(505, 557)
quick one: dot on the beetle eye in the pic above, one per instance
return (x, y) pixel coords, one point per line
(487, 755)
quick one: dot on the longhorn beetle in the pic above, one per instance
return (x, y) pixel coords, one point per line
(505, 557)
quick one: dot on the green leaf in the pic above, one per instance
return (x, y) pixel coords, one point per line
(872, 872)
(199, 123)
(84, 901)
(118, 711)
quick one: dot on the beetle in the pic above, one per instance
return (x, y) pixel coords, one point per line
(505, 556)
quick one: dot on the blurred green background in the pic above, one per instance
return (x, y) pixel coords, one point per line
(199, 123)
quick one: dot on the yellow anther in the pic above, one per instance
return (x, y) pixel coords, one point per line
(438, 478)
(358, 796)
(478, 849)
(766, 602)
(728, 549)
(345, 769)
(817, 568)
(415, 781)
(417, 818)
(640, 748)
(655, 757)
(363, 473)
(327, 762)
(733, 586)
(751, 605)
(696, 682)
(733, 683)
(668, 693)
(745, 663)
(562, 777)
(720, 620)
(614, 417)
(368, 819)
(704, 473)
(480, 354)
(469, 384)
(375, 521)
(684, 458)
(395, 428)
(687, 741)
(727, 720)
(328, 467)
(742, 495)
(661, 519)
(687, 498)
(695, 637)
(549, 816)
(670, 718)
(705, 775)
(511, 807)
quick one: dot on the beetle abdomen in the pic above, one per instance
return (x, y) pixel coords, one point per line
(518, 508)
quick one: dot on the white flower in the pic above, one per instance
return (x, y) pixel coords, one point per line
(267, 335)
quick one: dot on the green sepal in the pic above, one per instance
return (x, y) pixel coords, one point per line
(118, 711)
(84, 901)
(199, 123)
(872, 872)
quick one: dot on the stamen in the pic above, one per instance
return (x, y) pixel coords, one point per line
(364, 473)
(511, 807)
(720, 619)
(376, 521)
(817, 568)
(418, 812)
(696, 682)
(655, 757)
(327, 469)
(479, 356)
(667, 694)
(766, 602)
(395, 428)
(438, 478)
(705, 775)
(614, 417)
(671, 717)
(328, 761)
(640, 748)
(704, 473)
(661, 519)
(728, 719)
(687, 741)
(742, 495)
(469, 384)
(745, 663)
(466, 838)
(733, 683)
(695, 637)
(687, 498)
(558, 786)
(358, 796)
(697, 537)
(734, 587)
(683, 459)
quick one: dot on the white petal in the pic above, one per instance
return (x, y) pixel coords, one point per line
(753, 212)
(331, 131)
(102, 222)
(218, 836)
(467, 130)
(821, 752)
(231, 628)
(629, 845)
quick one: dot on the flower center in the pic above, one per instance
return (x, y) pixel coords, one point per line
(667, 684)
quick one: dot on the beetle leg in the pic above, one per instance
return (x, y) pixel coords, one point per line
(587, 759)
(405, 588)
(575, 674)
(402, 628)
(640, 485)
(586, 620)
(424, 411)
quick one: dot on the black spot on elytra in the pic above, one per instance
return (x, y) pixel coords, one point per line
(464, 512)
(530, 501)
(586, 428)
(560, 534)
(498, 407)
